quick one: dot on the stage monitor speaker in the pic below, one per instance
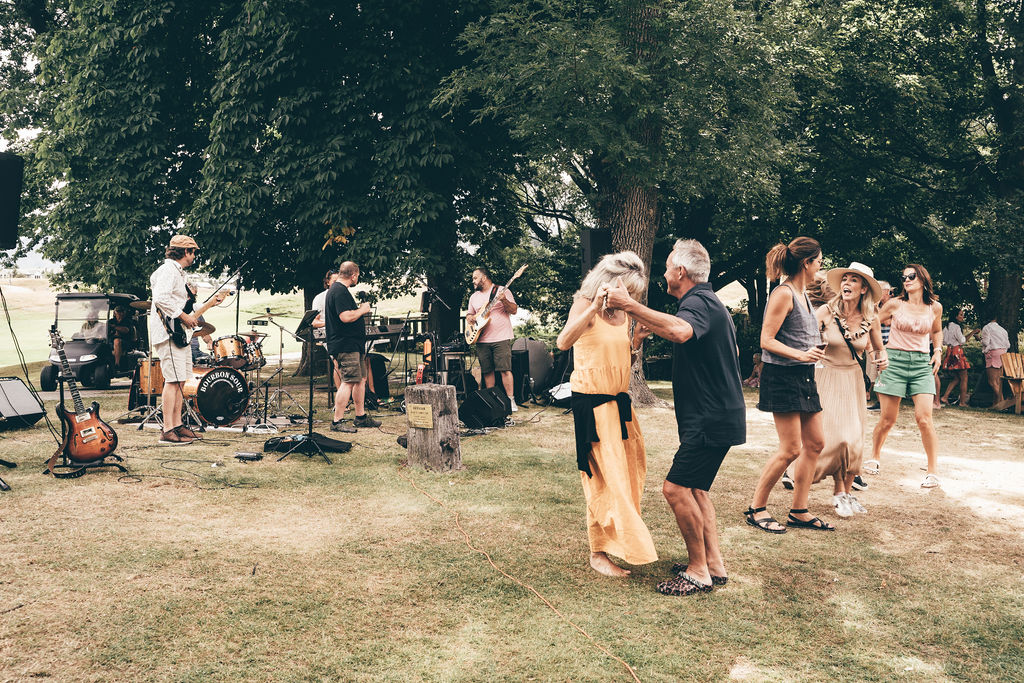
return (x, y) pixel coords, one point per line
(18, 406)
(595, 244)
(541, 362)
(485, 408)
(379, 369)
(521, 375)
(455, 373)
(12, 172)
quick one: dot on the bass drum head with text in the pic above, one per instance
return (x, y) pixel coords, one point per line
(219, 395)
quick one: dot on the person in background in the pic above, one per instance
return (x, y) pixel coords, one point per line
(755, 373)
(122, 332)
(346, 343)
(609, 445)
(791, 344)
(320, 325)
(995, 341)
(494, 346)
(916, 320)
(955, 362)
(872, 369)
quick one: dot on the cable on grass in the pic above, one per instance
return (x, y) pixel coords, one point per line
(469, 544)
(198, 479)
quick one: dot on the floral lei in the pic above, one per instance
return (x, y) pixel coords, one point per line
(864, 328)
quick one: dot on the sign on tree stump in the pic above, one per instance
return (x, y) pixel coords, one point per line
(433, 427)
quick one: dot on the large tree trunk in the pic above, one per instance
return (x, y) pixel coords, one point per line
(1004, 299)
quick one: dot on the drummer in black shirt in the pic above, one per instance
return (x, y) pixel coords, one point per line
(346, 344)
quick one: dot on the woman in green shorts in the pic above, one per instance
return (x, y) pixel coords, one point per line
(916, 320)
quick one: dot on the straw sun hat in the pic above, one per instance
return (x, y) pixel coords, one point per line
(835, 278)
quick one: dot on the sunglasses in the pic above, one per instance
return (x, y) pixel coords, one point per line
(910, 277)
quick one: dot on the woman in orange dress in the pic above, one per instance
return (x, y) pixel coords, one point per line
(609, 446)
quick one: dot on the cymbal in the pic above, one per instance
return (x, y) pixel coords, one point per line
(267, 315)
(204, 328)
(140, 305)
(256, 334)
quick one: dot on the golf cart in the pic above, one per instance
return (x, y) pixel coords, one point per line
(89, 323)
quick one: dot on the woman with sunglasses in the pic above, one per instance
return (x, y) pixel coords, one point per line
(916, 320)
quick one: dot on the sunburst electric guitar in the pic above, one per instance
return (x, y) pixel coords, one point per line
(88, 437)
(483, 317)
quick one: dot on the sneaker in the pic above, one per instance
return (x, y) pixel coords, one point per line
(515, 408)
(842, 505)
(855, 505)
(337, 426)
(787, 481)
(859, 484)
(365, 421)
(874, 407)
(173, 438)
(930, 482)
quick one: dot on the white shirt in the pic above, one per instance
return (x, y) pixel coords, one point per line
(320, 305)
(993, 336)
(953, 335)
(169, 296)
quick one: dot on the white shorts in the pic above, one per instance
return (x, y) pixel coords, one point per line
(175, 362)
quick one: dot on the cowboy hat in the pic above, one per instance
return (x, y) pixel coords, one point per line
(835, 278)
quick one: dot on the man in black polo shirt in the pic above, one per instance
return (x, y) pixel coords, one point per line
(710, 412)
(346, 344)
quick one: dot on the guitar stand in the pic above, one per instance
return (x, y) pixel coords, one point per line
(75, 469)
(4, 486)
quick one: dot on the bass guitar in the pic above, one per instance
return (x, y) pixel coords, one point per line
(88, 437)
(179, 335)
(483, 317)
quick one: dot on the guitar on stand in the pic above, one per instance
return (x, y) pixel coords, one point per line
(87, 440)
(474, 329)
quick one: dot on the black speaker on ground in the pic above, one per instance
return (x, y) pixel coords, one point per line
(595, 244)
(485, 408)
(12, 172)
(379, 370)
(18, 406)
(456, 373)
(541, 362)
(521, 375)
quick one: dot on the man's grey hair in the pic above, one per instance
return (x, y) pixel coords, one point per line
(884, 284)
(624, 264)
(691, 255)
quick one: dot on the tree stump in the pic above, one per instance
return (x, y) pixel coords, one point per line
(433, 416)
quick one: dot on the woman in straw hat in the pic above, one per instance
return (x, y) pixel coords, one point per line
(609, 446)
(848, 321)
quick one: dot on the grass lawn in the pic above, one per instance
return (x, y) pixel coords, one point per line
(299, 570)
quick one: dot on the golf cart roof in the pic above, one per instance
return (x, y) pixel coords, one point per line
(70, 296)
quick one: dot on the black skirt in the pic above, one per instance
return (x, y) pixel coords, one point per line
(788, 389)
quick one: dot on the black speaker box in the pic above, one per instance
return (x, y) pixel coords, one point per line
(12, 171)
(379, 369)
(521, 375)
(595, 244)
(456, 373)
(485, 408)
(18, 406)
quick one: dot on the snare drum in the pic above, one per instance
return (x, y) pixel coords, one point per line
(151, 377)
(230, 351)
(219, 395)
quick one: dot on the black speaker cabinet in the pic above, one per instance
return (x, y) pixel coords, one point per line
(12, 170)
(485, 408)
(18, 406)
(521, 375)
(595, 244)
(379, 369)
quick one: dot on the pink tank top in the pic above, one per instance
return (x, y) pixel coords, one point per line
(911, 332)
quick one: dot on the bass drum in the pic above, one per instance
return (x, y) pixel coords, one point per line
(219, 395)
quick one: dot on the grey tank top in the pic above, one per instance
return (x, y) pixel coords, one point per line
(798, 331)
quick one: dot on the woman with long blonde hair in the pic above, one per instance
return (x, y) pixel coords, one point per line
(609, 446)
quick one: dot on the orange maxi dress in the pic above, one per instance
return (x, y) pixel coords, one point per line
(601, 366)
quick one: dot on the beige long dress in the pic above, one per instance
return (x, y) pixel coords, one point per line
(843, 404)
(614, 526)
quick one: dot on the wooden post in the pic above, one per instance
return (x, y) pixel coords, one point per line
(433, 417)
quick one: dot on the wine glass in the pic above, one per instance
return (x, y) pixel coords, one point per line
(821, 344)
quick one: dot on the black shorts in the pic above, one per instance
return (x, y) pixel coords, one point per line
(696, 467)
(788, 389)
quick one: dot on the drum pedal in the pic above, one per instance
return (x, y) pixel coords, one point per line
(248, 457)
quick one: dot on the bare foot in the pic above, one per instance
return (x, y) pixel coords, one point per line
(602, 565)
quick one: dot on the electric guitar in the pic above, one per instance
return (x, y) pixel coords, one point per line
(473, 329)
(179, 335)
(88, 437)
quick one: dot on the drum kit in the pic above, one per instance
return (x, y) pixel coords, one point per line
(219, 390)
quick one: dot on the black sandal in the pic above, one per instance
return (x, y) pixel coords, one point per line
(680, 568)
(812, 523)
(684, 584)
(762, 523)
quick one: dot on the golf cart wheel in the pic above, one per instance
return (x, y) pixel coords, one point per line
(48, 378)
(101, 377)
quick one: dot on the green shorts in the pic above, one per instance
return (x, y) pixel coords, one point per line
(909, 374)
(351, 367)
(494, 356)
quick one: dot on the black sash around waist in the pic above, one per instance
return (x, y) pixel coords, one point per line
(586, 428)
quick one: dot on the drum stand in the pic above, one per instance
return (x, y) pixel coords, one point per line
(281, 391)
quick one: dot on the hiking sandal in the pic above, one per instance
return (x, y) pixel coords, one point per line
(684, 584)
(812, 523)
(680, 568)
(762, 523)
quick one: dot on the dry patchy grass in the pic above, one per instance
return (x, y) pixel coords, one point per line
(346, 572)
